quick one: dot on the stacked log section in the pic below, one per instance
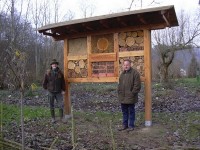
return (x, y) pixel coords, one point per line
(77, 68)
(102, 43)
(131, 41)
(137, 62)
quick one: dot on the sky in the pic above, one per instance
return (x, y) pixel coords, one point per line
(102, 7)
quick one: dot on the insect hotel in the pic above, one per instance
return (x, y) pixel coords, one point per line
(95, 47)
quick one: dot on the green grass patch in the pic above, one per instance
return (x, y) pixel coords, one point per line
(189, 82)
(12, 113)
(182, 82)
(99, 88)
(187, 124)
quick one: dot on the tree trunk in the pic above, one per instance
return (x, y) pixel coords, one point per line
(164, 73)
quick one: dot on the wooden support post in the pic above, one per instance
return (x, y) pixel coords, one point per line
(67, 101)
(89, 49)
(147, 68)
(116, 50)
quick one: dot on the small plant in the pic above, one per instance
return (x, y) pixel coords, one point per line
(74, 141)
(112, 136)
(55, 140)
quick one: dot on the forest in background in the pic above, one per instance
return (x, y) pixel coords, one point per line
(25, 54)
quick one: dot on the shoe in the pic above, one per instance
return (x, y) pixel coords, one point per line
(123, 128)
(130, 129)
(53, 120)
(64, 120)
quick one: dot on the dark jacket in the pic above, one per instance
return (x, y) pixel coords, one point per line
(54, 81)
(129, 86)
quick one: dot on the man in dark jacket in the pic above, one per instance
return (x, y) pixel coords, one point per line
(128, 89)
(55, 84)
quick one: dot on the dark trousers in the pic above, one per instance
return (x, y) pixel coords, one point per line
(58, 97)
(128, 111)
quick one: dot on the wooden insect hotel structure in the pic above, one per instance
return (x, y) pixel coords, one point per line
(95, 47)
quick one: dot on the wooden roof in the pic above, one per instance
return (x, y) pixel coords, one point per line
(151, 18)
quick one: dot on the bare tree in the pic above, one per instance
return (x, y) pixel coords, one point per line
(87, 8)
(169, 40)
(141, 3)
(68, 16)
(192, 70)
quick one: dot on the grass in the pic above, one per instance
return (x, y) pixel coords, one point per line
(12, 113)
(189, 82)
(102, 123)
(185, 124)
(99, 88)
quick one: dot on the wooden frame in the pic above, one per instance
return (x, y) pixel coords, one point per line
(111, 24)
(111, 57)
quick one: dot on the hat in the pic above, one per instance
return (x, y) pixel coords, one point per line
(54, 62)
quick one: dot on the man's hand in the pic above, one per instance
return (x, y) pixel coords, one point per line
(63, 92)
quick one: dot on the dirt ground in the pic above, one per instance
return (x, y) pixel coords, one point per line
(97, 117)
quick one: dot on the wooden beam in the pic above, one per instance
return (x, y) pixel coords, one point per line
(97, 79)
(77, 57)
(165, 18)
(104, 23)
(94, 79)
(121, 22)
(141, 18)
(67, 101)
(47, 33)
(147, 72)
(89, 49)
(116, 50)
(87, 27)
(131, 53)
(102, 57)
(112, 30)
